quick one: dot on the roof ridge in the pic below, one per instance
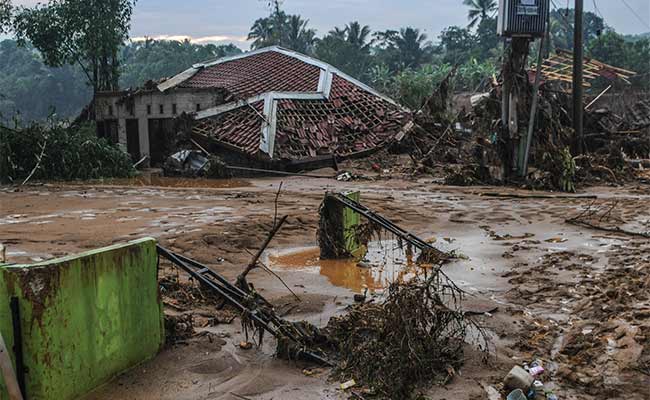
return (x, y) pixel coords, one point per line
(189, 73)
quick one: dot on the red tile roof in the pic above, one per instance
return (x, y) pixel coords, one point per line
(353, 119)
(257, 74)
(241, 127)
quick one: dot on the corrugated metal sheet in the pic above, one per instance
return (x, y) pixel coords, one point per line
(524, 17)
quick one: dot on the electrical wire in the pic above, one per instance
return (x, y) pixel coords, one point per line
(647, 25)
(564, 17)
(598, 10)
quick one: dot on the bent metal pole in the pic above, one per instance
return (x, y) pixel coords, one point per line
(8, 374)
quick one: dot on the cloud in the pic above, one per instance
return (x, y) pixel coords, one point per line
(194, 39)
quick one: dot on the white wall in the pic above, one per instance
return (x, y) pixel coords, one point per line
(185, 100)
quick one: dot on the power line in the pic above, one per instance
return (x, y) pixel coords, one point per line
(636, 14)
(598, 10)
(564, 17)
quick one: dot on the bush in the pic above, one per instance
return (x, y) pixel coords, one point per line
(68, 153)
(412, 87)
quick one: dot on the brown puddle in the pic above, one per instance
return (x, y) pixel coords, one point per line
(389, 264)
(172, 182)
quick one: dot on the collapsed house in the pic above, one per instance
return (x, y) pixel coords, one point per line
(268, 108)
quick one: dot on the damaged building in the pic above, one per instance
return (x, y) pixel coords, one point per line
(268, 108)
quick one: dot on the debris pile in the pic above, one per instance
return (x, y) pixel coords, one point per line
(295, 340)
(178, 328)
(470, 146)
(412, 338)
(438, 139)
(603, 349)
(186, 163)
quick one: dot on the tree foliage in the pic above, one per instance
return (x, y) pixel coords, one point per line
(88, 33)
(479, 10)
(281, 29)
(153, 59)
(406, 48)
(5, 16)
(561, 28)
(347, 48)
(33, 90)
(68, 153)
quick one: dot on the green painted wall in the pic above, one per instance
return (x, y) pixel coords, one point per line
(84, 318)
(351, 222)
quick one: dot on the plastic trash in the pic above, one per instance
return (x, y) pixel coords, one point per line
(518, 378)
(517, 394)
(349, 384)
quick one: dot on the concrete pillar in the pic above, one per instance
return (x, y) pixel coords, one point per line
(339, 229)
(143, 129)
(121, 133)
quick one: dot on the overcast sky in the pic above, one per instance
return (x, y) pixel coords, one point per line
(224, 21)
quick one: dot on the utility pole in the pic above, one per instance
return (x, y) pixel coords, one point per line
(578, 77)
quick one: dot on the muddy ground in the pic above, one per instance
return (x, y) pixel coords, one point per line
(574, 297)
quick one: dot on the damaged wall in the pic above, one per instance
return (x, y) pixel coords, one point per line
(84, 318)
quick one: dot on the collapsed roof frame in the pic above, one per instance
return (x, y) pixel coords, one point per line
(269, 113)
(559, 67)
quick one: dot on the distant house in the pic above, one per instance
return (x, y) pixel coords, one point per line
(270, 106)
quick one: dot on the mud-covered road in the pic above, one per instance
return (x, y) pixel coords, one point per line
(574, 297)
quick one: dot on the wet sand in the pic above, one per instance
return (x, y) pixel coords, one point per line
(518, 254)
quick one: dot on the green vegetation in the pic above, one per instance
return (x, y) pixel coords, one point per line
(31, 90)
(85, 33)
(153, 60)
(5, 15)
(402, 62)
(56, 152)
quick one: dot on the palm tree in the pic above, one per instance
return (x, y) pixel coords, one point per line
(261, 33)
(384, 39)
(298, 37)
(347, 49)
(357, 35)
(411, 45)
(338, 33)
(479, 10)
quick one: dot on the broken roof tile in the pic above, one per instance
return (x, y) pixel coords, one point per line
(353, 118)
(260, 73)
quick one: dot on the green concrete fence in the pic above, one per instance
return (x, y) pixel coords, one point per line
(84, 318)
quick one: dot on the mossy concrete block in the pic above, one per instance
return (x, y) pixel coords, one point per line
(339, 229)
(84, 318)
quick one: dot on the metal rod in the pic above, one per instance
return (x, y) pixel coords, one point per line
(264, 318)
(269, 171)
(241, 279)
(533, 108)
(384, 222)
(578, 91)
(598, 97)
(7, 372)
(235, 291)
